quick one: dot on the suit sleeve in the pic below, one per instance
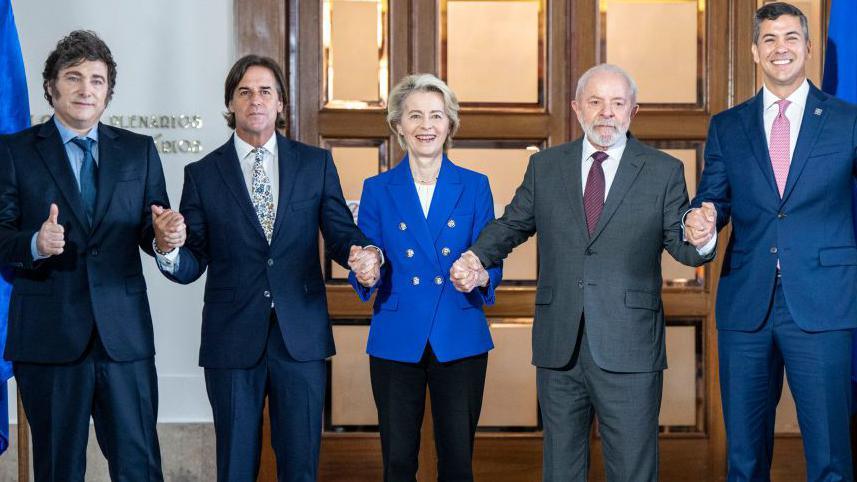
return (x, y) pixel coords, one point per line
(714, 185)
(518, 223)
(369, 222)
(485, 215)
(675, 205)
(337, 223)
(14, 242)
(193, 256)
(155, 193)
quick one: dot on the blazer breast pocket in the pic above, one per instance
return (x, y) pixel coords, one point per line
(303, 204)
(642, 300)
(127, 175)
(844, 256)
(463, 219)
(544, 295)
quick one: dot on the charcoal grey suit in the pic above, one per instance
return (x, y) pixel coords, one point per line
(598, 334)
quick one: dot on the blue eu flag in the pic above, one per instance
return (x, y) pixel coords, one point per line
(14, 116)
(840, 79)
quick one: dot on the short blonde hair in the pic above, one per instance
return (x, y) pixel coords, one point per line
(421, 83)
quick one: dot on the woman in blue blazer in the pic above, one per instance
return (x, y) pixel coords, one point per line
(423, 214)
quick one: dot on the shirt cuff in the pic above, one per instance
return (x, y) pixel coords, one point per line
(683, 217)
(166, 262)
(380, 252)
(34, 249)
(709, 246)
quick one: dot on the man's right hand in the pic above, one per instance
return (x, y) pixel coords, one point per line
(700, 225)
(170, 229)
(51, 238)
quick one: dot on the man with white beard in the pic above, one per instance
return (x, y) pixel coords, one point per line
(605, 207)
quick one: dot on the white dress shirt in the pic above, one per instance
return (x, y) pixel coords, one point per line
(246, 159)
(609, 165)
(425, 192)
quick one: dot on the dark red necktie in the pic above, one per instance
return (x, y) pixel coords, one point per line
(593, 194)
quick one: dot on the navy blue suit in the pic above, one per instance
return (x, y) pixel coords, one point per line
(424, 332)
(800, 318)
(86, 307)
(243, 338)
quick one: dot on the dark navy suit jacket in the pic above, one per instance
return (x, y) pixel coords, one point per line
(245, 273)
(416, 302)
(809, 230)
(98, 280)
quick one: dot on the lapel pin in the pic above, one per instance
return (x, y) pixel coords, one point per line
(818, 111)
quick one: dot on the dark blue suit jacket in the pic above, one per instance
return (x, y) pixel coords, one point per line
(245, 273)
(809, 229)
(98, 279)
(416, 301)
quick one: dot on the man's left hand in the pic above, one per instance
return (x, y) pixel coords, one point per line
(366, 265)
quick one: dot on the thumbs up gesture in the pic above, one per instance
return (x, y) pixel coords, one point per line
(51, 238)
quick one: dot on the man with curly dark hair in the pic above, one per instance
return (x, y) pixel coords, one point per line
(75, 199)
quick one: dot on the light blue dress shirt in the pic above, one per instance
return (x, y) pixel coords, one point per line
(74, 154)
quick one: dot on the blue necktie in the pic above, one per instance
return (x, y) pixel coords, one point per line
(88, 176)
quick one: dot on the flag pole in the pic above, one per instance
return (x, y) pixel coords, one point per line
(23, 443)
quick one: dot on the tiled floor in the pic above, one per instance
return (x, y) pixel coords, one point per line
(187, 455)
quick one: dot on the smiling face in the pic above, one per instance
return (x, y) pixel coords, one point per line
(605, 109)
(782, 51)
(424, 124)
(256, 103)
(79, 95)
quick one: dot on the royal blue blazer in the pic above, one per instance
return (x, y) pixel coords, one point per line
(416, 303)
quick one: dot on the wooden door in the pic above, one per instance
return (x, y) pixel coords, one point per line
(514, 65)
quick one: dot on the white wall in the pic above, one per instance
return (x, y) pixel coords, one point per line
(172, 59)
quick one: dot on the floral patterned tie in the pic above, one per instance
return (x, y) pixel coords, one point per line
(262, 195)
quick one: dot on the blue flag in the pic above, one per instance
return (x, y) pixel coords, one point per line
(14, 116)
(840, 79)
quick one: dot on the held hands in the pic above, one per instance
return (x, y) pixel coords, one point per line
(467, 273)
(51, 240)
(170, 229)
(700, 225)
(366, 264)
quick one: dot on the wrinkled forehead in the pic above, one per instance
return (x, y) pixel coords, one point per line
(607, 85)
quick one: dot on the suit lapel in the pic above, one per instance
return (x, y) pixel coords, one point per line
(754, 125)
(446, 194)
(814, 115)
(230, 170)
(403, 196)
(570, 168)
(289, 163)
(629, 167)
(109, 164)
(50, 148)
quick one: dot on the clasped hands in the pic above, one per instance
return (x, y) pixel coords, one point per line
(366, 264)
(170, 229)
(467, 273)
(700, 225)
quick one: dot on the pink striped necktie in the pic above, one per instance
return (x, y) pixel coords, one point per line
(780, 146)
(593, 193)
